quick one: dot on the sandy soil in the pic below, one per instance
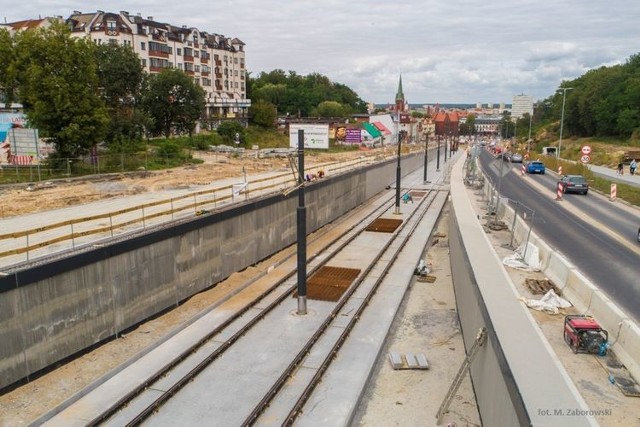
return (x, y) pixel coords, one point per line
(25, 199)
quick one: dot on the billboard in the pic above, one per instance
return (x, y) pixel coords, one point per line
(315, 136)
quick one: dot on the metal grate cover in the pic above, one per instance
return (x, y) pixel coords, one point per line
(417, 194)
(329, 283)
(384, 225)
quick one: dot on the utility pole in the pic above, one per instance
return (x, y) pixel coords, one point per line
(301, 216)
(426, 158)
(398, 174)
(564, 98)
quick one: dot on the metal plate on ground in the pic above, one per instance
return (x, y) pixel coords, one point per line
(417, 194)
(329, 283)
(384, 225)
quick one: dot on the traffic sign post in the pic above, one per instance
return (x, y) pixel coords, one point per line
(559, 192)
(585, 158)
(614, 190)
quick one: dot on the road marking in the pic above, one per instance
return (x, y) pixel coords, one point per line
(581, 214)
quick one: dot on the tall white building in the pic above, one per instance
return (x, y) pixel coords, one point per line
(215, 62)
(522, 104)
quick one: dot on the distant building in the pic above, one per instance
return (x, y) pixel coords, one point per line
(214, 62)
(522, 104)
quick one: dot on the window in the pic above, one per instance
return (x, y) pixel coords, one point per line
(180, 66)
(144, 63)
(143, 46)
(235, 60)
(111, 25)
(113, 42)
(179, 51)
(197, 68)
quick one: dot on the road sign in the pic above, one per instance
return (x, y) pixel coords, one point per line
(585, 159)
(586, 150)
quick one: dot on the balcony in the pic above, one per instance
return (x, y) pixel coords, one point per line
(158, 54)
(159, 37)
(188, 58)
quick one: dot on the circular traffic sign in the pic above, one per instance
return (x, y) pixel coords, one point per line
(585, 159)
(586, 150)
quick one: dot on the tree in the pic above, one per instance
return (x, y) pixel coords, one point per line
(8, 53)
(330, 109)
(59, 89)
(228, 130)
(122, 79)
(174, 102)
(263, 113)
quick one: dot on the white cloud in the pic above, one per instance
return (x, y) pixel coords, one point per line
(465, 51)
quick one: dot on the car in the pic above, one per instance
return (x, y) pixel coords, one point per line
(574, 184)
(638, 234)
(516, 158)
(536, 166)
(505, 155)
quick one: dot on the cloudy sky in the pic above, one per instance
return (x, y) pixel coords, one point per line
(463, 51)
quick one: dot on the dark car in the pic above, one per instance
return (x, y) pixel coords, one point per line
(638, 234)
(574, 184)
(536, 166)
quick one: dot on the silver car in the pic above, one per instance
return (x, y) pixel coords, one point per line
(516, 158)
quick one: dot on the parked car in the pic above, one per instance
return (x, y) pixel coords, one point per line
(638, 234)
(574, 184)
(516, 158)
(536, 166)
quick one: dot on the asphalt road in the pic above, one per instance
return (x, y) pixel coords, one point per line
(598, 236)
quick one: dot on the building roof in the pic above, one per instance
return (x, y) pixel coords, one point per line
(371, 129)
(400, 94)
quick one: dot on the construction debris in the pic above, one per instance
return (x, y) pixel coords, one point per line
(541, 286)
(408, 361)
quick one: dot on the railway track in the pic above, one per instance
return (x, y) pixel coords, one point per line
(208, 357)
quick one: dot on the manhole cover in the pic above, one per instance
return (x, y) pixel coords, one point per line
(329, 283)
(384, 225)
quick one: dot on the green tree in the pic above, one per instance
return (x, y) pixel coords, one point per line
(59, 89)
(122, 79)
(174, 102)
(228, 130)
(330, 109)
(8, 53)
(263, 113)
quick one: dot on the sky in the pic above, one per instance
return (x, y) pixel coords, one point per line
(464, 51)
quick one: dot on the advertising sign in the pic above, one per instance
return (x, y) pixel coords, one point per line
(315, 135)
(353, 136)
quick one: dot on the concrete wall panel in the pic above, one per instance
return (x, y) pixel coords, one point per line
(51, 312)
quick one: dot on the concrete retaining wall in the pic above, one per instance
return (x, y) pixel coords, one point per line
(52, 311)
(510, 390)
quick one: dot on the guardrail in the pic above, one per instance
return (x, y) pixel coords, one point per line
(26, 245)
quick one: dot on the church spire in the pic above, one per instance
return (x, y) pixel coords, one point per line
(400, 95)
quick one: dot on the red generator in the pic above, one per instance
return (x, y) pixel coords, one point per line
(584, 335)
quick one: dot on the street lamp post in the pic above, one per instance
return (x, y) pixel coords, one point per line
(426, 157)
(438, 158)
(398, 174)
(529, 138)
(564, 98)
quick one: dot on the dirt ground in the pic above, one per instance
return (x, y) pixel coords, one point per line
(24, 199)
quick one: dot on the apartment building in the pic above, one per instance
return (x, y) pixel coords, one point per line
(522, 104)
(215, 62)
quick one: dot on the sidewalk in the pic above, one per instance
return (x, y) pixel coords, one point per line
(612, 174)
